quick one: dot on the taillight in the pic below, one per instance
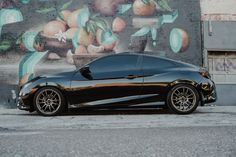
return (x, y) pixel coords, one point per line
(204, 73)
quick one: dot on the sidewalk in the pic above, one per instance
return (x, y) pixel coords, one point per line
(203, 116)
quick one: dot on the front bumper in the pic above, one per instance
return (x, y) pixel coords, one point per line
(21, 105)
(25, 104)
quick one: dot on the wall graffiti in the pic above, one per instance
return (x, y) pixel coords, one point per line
(77, 31)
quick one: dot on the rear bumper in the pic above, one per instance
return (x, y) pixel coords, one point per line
(209, 98)
(208, 91)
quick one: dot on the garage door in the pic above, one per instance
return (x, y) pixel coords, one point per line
(222, 67)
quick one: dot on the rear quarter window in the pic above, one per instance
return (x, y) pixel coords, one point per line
(156, 63)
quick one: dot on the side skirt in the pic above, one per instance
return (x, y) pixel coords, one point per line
(130, 102)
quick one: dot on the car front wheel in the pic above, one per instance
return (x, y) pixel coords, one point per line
(183, 99)
(49, 101)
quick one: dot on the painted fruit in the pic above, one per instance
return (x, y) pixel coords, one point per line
(107, 45)
(22, 47)
(24, 79)
(53, 27)
(118, 25)
(107, 7)
(85, 38)
(81, 50)
(69, 57)
(98, 36)
(95, 49)
(71, 32)
(39, 46)
(110, 46)
(179, 40)
(142, 9)
(53, 56)
(65, 15)
(73, 17)
(7, 4)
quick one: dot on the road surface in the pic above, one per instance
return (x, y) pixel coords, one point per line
(210, 132)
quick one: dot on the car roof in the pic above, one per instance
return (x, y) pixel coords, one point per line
(148, 54)
(145, 53)
(152, 54)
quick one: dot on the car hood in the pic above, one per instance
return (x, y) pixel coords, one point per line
(60, 75)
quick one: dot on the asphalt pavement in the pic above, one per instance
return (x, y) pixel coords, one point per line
(210, 132)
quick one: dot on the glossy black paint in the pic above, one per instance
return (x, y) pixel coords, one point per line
(121, 80)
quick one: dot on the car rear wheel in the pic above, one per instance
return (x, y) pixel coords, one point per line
(183, 99)
(49, 101)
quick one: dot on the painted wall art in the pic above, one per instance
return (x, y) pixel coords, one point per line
(73, 32)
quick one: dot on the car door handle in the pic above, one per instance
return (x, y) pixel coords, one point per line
(131, 76)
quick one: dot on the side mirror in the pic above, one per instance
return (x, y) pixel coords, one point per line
(85, 70)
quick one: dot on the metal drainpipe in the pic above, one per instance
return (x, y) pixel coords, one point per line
(204, 50)
(205, 59)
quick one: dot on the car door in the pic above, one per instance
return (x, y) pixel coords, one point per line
(111, 77)
(155, 73)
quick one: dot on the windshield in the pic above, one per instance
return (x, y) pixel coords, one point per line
(88, 62)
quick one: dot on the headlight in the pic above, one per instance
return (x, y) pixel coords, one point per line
(26, 85)
(25, 89)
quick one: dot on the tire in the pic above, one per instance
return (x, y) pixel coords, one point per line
(183, 99)
(49, 101)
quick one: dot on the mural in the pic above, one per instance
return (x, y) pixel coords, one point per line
(74, 32)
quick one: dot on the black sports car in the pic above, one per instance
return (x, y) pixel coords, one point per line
(119, 81)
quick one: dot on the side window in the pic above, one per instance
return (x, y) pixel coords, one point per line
(114, 66)
(156, 64)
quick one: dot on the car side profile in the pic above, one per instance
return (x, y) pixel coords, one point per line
(119, 81)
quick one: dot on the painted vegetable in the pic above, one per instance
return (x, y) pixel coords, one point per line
(118, 24)
(53, 27)
(179, 40)
(107, 7)
(144, 8)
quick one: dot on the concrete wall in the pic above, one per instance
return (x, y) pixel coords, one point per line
(226, 95)
(218, 10)
(219, 35)
(219, 18)
(63, 56)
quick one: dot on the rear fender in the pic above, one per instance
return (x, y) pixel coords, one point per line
(189, 82)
